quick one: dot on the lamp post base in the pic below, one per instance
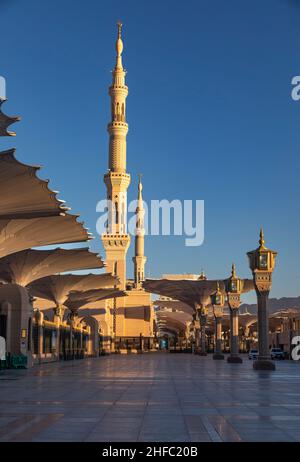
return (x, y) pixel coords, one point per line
(218, 356)
(264, 365)
(234, 360)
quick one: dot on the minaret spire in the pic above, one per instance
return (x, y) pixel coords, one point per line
(119, 47)
(120, 25)
(119, 73)
(140, 196)
(139, 258)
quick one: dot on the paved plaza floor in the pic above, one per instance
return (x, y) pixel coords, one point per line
(151, 397)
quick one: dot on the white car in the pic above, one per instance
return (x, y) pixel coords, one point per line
(253, 354)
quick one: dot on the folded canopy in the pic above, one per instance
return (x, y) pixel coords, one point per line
(23, 194)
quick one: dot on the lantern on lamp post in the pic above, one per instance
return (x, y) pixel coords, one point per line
(233, 287)
(262, 264)
(217, 301)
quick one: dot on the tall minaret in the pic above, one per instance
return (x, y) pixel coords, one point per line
(139, 258)
(116, 240)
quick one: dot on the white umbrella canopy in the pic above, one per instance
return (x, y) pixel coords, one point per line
(57, 288)
(29, 265)
(78, 300)
(191, 292)
(21, 234)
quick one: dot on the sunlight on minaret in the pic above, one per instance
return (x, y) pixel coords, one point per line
(139, 258)
(116, 241)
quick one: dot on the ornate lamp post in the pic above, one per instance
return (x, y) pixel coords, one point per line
(202, 312)
(59, 311)
(262, 264)
(217, 300)
(73, 318)
(203, 320)
(194, 333)
(233, 287)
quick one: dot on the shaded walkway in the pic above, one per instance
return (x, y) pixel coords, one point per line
(150, 397)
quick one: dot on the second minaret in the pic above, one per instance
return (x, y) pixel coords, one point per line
(139, 258)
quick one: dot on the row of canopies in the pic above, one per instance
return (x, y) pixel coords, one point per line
(32, 216)
(198, 311)
(182, 298)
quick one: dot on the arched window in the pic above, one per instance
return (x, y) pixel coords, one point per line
(123, 214)
(118, 111)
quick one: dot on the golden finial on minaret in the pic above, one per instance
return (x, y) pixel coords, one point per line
(233, 271)
(140, 204)
(119, 46)
(119, 24)
(140, 186)
(261, 239)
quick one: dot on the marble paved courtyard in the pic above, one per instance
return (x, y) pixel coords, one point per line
(150, 397)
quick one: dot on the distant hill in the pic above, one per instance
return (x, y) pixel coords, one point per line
(275, 304)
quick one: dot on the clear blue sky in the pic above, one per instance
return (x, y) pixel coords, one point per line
(209, 111)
